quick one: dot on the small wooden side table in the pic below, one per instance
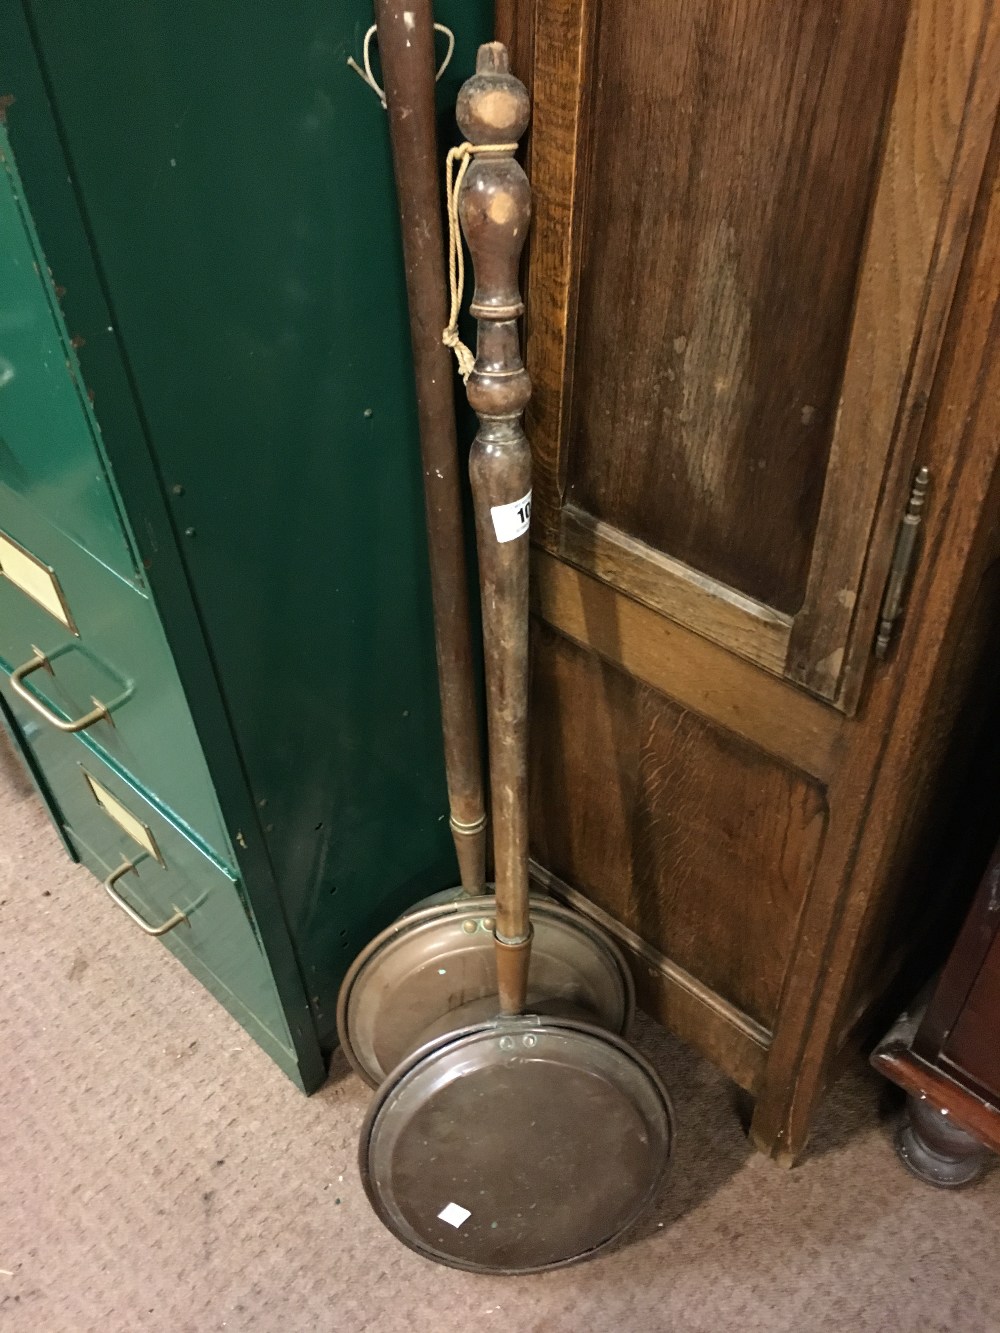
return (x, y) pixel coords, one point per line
(946, 1054)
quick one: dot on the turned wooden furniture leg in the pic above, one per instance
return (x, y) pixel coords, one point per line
(935, 1149)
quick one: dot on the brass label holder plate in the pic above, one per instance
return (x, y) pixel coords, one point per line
(124, 818)
(37, 580)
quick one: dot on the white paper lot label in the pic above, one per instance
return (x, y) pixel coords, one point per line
(454, 1214)
(510, 521)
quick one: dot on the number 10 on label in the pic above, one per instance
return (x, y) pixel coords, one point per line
(511, 520)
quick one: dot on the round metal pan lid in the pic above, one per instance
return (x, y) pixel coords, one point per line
(516, 1145)
(435, 971)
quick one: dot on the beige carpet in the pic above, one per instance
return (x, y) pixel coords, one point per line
(159, 1173)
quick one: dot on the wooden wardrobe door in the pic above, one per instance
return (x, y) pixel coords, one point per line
(748, 225)
(743, 254)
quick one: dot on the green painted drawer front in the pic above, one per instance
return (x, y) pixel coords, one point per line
(219, 941)
(120, 657)
(49, 449)
(57, 502)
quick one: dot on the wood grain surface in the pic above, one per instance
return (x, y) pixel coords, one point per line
(749, 228)
(973, 1046)
(746, 261)
(872, 794)
(560, 69)
(689, 1008)
(974, 1114)
(697, 673)
(688, 836)
(732, 155)
(938, 136)
(965, 962)
(750, 629)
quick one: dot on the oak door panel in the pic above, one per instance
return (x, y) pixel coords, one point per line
(749, 220)
(731, 159)
(681, 831)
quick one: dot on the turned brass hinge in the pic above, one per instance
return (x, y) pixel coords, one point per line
(893, 602)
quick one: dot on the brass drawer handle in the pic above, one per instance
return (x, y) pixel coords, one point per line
(125, 868)
(37, 663)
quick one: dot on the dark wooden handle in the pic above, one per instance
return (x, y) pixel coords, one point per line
(406, 48)
(494, 207)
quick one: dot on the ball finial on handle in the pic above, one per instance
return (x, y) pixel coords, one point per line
(493, 105)
(494, 207)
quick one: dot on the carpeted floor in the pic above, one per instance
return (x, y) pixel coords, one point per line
(159, 1173)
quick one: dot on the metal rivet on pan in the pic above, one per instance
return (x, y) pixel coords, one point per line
(488, 924)
(469, 927)
(506, 1043)
(529, 1040)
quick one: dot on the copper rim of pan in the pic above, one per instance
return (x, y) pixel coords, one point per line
(536, 1186)
(603, 994)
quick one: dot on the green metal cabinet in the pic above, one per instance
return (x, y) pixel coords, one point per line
(59, 504)
(209, 433)
(111, 823)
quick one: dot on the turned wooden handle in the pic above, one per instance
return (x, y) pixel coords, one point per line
(494, 207)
